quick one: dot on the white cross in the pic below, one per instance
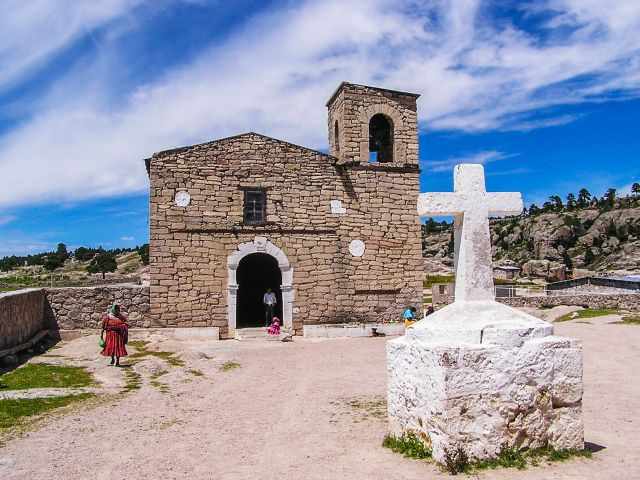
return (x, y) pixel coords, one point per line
(471, 206)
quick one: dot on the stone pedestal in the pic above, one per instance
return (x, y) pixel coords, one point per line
(481, 375)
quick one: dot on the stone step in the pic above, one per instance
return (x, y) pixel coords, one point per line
(250, 333)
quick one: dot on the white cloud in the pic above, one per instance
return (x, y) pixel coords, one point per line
(127, 239)
(274, 74)
(483, 158)
(5, 219)
(34, 30)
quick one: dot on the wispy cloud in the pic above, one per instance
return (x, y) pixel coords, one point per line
(483, 158)
(476, 72)
(5, 219)
(127, 239)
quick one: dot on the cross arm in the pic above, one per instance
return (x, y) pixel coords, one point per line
(441, 203)
(503, 204)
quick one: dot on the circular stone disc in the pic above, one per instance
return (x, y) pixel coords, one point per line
(356, 248)
(182, 198)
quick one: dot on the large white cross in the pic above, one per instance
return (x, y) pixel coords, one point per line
(471, 206)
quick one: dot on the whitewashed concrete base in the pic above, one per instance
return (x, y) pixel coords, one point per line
(340, 330)
(481, 376)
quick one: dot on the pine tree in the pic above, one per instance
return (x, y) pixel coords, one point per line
(102, 263)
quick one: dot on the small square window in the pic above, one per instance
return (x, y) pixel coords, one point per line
(255, 206)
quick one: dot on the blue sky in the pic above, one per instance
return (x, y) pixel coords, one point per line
(545, 93)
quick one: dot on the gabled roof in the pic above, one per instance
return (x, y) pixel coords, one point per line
(349, 84)
(163, 153)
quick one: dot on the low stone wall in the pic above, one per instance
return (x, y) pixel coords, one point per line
(621, 301)
(82, 307)
(21, 316)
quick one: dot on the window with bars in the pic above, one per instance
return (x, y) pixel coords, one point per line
(255, 206)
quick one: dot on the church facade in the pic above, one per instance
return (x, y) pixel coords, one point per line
(335, 236)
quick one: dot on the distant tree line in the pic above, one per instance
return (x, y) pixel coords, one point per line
(585, 199)
(101, 260)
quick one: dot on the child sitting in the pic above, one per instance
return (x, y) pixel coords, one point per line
(274, 329)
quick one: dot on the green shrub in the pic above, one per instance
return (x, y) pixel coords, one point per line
(408, 444)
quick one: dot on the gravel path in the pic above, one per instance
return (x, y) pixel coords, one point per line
(300, 410)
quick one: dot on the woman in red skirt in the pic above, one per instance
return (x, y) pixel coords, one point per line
(114, 323)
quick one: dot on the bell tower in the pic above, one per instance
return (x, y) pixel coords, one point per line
(370, 125)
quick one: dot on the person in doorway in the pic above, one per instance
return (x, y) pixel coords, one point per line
(409, 316)
(429, 311)
(116, 331)
(274, 329)
(269, 300)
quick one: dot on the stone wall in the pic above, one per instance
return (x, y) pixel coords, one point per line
(621, 301)
(21, 316)
(82, 307)
(351, 108)
(190, 246)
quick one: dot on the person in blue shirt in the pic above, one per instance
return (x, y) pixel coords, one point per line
(409, 316)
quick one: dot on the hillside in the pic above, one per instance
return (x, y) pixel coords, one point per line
(547, 244)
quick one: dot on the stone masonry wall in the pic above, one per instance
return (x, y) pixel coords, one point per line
(189, 246)
(352, 107)
(21, 316)
(621, 301)
(83, 307)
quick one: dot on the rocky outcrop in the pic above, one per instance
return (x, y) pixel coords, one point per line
(548, 244)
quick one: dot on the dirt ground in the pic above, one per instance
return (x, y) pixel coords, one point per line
(301, 410)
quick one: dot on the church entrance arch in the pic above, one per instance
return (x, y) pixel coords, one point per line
(256, 273)
(252, 268)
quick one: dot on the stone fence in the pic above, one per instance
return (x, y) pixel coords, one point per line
(21, 316)
(621, 301)
(26, 313)
(82, 307)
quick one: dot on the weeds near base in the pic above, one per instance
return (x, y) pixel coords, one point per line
(587, 313)
(228, 366)
(457, 460)
(408, 444)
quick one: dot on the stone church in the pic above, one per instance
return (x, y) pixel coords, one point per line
(335, 236)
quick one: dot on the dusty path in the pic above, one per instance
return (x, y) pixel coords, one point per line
(285, 413)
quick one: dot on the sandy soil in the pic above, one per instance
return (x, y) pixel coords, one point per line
(301, 410)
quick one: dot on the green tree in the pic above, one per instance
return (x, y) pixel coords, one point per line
(534, 209)
(143, 251)
(53, 261)
(103, 262)
(589, 257)
(571, 202)
(635, 188)
(584, 197)
(557, 203)
(61, 251)
(609, 199)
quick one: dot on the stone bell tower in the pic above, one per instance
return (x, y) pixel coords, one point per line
(369, 125)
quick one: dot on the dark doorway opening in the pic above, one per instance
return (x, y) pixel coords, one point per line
(256, 273)
(380, 139)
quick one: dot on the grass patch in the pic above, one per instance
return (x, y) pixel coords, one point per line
(142, 351)
(44, 375)
(408, 445)
(162, 387)
(228, 366)
(431, 279)
(375, 407)
(13, 412)
(133, 380)
(195, 372)
(587, 313)
(631, 320)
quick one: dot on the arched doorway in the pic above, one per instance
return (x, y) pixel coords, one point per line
(256, 273)
(380, 139)
(286, 292)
